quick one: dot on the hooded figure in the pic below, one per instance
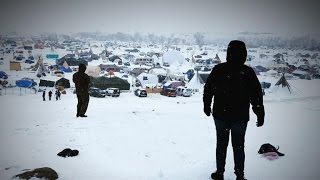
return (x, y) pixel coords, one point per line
(234, 86)
(82, 81)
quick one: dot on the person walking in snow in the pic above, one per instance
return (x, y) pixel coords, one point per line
(57, 94)
(234, 86)
(82, 81)
(44, 95)
(50, 94)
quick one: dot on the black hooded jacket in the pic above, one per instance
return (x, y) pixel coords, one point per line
(234, 86)
(81, 80)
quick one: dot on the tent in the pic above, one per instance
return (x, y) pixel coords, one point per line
(15, 66)
(63, 82)
(196, 83)
(146, 78)
(113, 82)
(46, 83)
(93, 71)
(284, 83)
(3, 75)
(65, 67)
(26, 83)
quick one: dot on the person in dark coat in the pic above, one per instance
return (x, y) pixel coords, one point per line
(82, 81)
(44, 95)
(50, 95)
(58, 94)
(234, 86)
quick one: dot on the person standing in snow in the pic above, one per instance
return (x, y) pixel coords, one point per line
(82, 81)
(57, 94)
(234, 86)
(44, 95)
(50, 94)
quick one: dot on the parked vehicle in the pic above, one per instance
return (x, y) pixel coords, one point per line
(184, 91)
(114, 92)
(265, 85)
(96, 92)
(140, 92)
(170, 92)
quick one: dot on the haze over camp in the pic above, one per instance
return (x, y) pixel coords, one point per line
(148, 63)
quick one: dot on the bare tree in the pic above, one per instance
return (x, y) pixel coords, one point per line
(199, 37)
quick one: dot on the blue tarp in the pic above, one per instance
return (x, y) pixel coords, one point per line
(3, 75)
(64, 69)
(25, 83)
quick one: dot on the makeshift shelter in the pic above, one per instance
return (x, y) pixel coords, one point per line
(63, 82)
(146, 78)
(284, 83)
(196, 83)
(65, 67)
(93, 71)
(3, 75)
(46, 83)
(113, 82)
(25, 83)
(71, 61)
(15, 66)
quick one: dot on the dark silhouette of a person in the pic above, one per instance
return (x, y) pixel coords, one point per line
(82, 81)
(44, 95)
(234, 86)
(50, 95)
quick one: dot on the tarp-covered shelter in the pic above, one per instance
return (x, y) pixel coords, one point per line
(25, 83)
(65, 67)
(3, 75)
(63, 82)
(113, 82)
(46, 83)
(71, 61)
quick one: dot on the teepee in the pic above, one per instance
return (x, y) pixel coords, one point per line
(284, 83)
(196, 83)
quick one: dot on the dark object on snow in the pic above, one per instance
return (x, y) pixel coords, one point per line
(68, 153)
(265, 148)
(42, 173)
(284, 83)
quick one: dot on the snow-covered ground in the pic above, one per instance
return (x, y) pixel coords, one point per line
(155, 138)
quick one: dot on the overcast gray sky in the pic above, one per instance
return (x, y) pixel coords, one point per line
(160, 16)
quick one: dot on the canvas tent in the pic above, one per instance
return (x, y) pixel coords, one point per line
(63, 82)
(196, 83)
(93, 71)
(113, 82)
(146, 78)
(15, 66)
